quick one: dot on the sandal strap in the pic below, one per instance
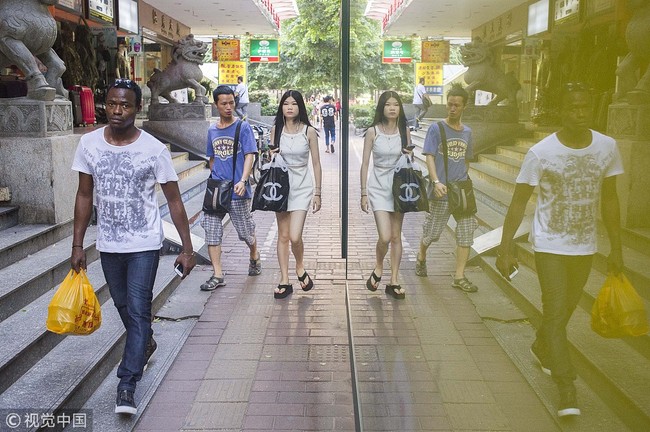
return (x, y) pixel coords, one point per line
(304, 276)
(375, 277)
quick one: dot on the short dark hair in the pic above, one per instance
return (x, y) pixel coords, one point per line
(458, 90)
(327, 99)
(222, 90)
(240, 78)
(421, 80)
(572, 88)
(128, 84)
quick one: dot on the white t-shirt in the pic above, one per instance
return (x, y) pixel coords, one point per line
(125, 177)
(417, 94)
(569, 183)
(242, 92)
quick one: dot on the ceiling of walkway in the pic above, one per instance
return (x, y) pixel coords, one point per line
(426, 18)
(440, 18)
(225, 17)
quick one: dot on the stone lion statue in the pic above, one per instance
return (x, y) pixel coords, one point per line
(484, 74)
(182, 72)
(633, 71)
(27, 33)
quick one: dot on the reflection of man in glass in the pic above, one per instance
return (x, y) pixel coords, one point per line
(458, 139)
(574, 169)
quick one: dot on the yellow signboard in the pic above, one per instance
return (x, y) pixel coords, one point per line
(230, 70)
(431, 72)
(225, 50)
(436, 51)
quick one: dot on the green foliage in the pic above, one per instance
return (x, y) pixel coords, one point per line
(362, 115)
(269, 104)
(310, 54)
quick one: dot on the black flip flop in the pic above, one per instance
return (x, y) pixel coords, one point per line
(369, 283)
(288, 289)
(309, 285)
(392, 290)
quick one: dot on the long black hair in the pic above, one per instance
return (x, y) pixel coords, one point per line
(401, 118)
(303, 117)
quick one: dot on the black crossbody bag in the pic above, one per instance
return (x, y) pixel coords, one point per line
(460, 193)
(218, 193)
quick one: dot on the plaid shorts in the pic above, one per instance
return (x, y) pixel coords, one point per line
(240, 216)
(436, 221)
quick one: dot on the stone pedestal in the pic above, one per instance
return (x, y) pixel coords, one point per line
(630, 125)
(37, 170)
(176, 111)
(22, 117)
(185, 125)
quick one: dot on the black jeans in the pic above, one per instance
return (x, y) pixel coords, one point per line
(562, 278)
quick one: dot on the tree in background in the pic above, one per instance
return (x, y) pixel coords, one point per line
(310, 54)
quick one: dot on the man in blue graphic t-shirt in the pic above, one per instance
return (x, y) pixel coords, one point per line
(460, 151)
(220, 146)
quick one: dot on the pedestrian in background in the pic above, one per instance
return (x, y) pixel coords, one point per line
(328, 117)
(574, 169)
(241, 93)
(129, 226)
(220, 151)
(460, 151)
(386, 140)
(296, 139)
(419, 93)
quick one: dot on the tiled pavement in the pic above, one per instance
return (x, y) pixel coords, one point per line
(427, 362)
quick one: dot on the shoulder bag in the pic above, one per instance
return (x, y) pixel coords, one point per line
(460, 193)
(218, 193)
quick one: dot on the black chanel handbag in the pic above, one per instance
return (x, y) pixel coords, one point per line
(409, 187)
(218, 193)
(272, 191)
(460, 193)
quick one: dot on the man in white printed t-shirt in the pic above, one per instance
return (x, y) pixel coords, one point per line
(574, 169)
(123, 164)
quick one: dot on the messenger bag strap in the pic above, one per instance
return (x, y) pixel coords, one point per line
(235, 147)
(443, 139)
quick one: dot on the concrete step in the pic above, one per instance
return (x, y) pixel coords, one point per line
(179, 157)
(502, 180)
(189, 186)
(187, 169)
(8, 216)
(501, 163)
(610, 366)
(27, 279)
(514, 152)
(66, 376)
(19, 241)
(22, 349)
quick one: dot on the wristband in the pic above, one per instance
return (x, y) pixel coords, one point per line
(186, 254)
(79, 246)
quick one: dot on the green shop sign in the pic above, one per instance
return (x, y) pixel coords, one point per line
(265, 51)
(397, 52)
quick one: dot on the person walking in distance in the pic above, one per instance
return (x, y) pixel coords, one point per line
(328, 117)
(296, 139)
(241, 92)
(220, 149)
(460, 151)
(573, 169)
(129, 226)
(419, 93)
(386, 140)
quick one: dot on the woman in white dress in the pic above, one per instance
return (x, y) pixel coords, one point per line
(386, 140)
(295, 138)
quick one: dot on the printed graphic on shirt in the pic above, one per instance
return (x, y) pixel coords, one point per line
(119, 194)
(575, 183)
(223, 147)
(327, 112)
(456, 149)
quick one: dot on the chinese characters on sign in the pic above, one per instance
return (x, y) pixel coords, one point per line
(225, 50)
(566, 8)
(435, 51)
(431, 72)
(230, 70)
(264, 51)
(397, 52)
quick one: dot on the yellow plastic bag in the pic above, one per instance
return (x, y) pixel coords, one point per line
(74, 309)
(618, 310)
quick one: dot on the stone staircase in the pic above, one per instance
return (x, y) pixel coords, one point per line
(617, 369)
(45, 372)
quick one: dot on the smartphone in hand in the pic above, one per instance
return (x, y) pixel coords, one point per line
(179, 270)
